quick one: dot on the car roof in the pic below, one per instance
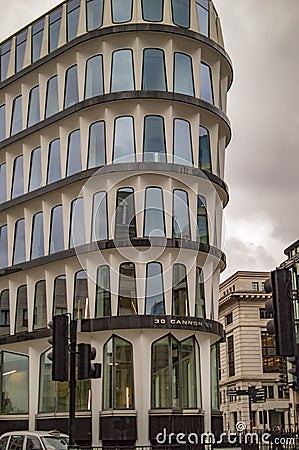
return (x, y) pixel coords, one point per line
(54, 433)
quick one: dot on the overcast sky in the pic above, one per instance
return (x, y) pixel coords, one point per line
(262, 164)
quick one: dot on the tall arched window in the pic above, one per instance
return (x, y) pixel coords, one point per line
(35, 178)
(203, 16)
(94, 82)
(72, 14)
(17, 117)
(154, 73)
(37, 39)
(127, 296)
(180, 298)
(118, 376)
(152, 10)
(34, 107)
(125, 221)
(77, 228)
(103, 295)
(3, 247)
(97, 145)
(56, 232)
(37, 237)
(17, 187)
(3, 194)
(74, 164)
(94, 14)
(124, 140)
(121, 10)
(71, 94)
(200, 304)
(54, 28)
(14, 383)
(99, 224)
(202, 221)
(182, 144)
(19, 253)
(181, 219)
(206, 85)
(21, 40)
(122, 73)
(181, 12)
(154, 219)
(204, 153)
(54, 165)
(59, 296)
(183, 74)
(2, 122)
(52, 97)
(154, 292)
(154, 147)
(81, 301)
(21, 323)
(40, 306)
(4, 313)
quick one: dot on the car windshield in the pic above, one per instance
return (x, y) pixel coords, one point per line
(58, 443)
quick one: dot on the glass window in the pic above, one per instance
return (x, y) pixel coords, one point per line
(71, 95)
(94, 14)
(103, 295)
(19, 254)
(3, 247)
(181, 219)
(183, 74)
(2, 122)
(127, 297)
(15, 384)
(81, 304)
(35, 178)
(5, 56)
(37, 39)
(59, 296)
(4, 313)
(154, 293)
(230, 356)
(154, 74)
(181, 12)
(154, 220)
(56, 232)
(17, 177)
(202, 221)
(203, 16)
(214, 377)
(74, 154)
(54, 167)
(52, 97)
(34, 107)
(17, 117)
(77, 229)
(205, 161)
(94, 83)
(125, 223)
(99, 217)
(21, 39)
(152, 10)
(124, 140)
(97, 145)
(206, 86)
(182, 145)
(118, 376)
(40, 306)
(154, 147)
(200, 308)
(271, 362)
(160, 374)
(3, 196)
(21, 324)
(121, 10)
(72, 11)
(54, 29)
(37, 239)
(180, 300)
(122, 74)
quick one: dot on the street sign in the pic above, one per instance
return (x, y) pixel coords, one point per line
(232, 392)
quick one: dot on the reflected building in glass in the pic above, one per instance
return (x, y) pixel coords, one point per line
(113, 133)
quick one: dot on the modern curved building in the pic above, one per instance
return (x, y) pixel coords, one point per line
(113, 134)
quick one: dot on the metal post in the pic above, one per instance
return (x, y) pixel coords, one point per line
(72, 382)
(250, 410)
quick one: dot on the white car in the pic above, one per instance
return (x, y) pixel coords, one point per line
(33, 440)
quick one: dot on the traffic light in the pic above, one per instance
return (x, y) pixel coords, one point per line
(281, 305)
(86, 369)
(294, 371)
(59, 354)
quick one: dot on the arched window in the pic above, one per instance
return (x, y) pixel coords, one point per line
(35, 178)
(21, 323)
(181, 220)
(118, 376)
(94, 14)
(81, 302)
(94, 82)
(152, 10)
(183, 74)
(74, 164)
(122, 73)
(52, 97)
(103, 295)
(154, 220)
(3, 247)
(77, 229)
(121, 10)
(17, 177)
(127, 297)
(154, 74)
(56, 232)
(4, 313)
(3, 195)
(181, 12)
(54, 28)
(19, 253)
(154, 147)
(72, 14)
(125, 221)
(182, 145)
(37, 237)
(200, 306)
(14, 383)
(97, 145)
(59, 296)
(206, 85)
(71, 94)
(124, 140)
(180, 299)
(154, 293)
(17, 117)
(54, 165)
(21, 40)
(37, 39)
(99, 224)
(203, 16)
(204, 153)
(5, 57)
(40, 306)
(34, 107)
(2, 122)
(202, 221)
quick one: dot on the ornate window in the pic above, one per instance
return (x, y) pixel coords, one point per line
(59, 296)
(54, 28)
(154, 220)
(74, 164)
(206, 85)
(17, 177)
(154, 74)
(125, 222)
(40, 306)
(200, 307)
(94, 14)
(99, 217)
(37, 238)
(81, 302)
(122, 73)
(181, 12)
(94, 82)
(35, 178)
(127, 297)
(181, 220)
(152, 10)
(72, 14)
(97, 145)
(3, 247)
(121, 10)
(3, 195)
(34, 107)
(77, 229)
(4, 313)
(21, 324)
(180, 299)
(52, 97)
(17, 117)
(183, 74)
(71, 94)
(103, 295)
(54, 165)
(21, 40)
(19, 253)
(182, 145)
(202, 221)
(56, 232)
(14, 383)
(37, 39)
(154, 292)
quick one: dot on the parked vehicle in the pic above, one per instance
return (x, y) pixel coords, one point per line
(33, 440)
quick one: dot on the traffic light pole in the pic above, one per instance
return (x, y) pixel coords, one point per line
(72, 382)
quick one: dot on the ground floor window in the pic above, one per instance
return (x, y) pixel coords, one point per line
(14, 383)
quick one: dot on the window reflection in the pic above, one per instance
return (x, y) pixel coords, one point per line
(205, 162)
(52, 97)
(203, 16)
(37, 39)
(206, 88)
(35, 179)
(125, 222)
(121, 10)
(71, 94)
(18, 177)
(152, 10)
(103, 295)
(154, 293)
(94, 13)
(21, 323)
(37, 239)
(154, 75)
(21, 40)
(183, 74)
(122, 74)
(154, 139)
(54, 167)
(181, 219)
(182, 146)
(5, 56)
(74, 154)
(17, 118)
(56, 232)
(124, 140)
(154, 221)
(180, 300)
(19, 254)
(34, 107)
(15, 383)
(40, 306)
(81, 303)
(3, 247)
(59, 296)
(181, 12)
(127, 297)
(4, 313)
(72, 11)
(2, 122)
(77, 229)
(97, 145)
(54, 29)
(99, 217)
(200, 308)
(94, 84)
(3, 195)
(202, 221)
